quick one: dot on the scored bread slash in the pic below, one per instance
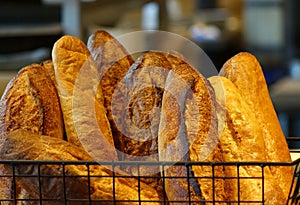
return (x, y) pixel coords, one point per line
(76, 184)
(188, 131)
(242, 141)
(81, 98)
(112, 61)
(136, 111)
(247, 75)
(30, 101)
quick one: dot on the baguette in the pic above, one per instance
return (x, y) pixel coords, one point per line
(81, 99)
(188, 132)
(140, 92)
(242, 141)
(113, 62)
(137, 112)
(81, 182)
(246, 73)
(30, 101)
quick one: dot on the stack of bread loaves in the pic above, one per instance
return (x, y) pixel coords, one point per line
(94, 102)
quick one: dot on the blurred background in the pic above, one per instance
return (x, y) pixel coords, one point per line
(269, 29)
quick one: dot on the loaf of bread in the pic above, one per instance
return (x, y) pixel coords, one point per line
(188, 131)
(136, 110)
(242, 141)
(81, 99)
(247, 75)
(30, 101)
(98, 186)
(112, 61)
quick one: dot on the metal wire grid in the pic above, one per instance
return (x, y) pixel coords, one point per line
(294, 196)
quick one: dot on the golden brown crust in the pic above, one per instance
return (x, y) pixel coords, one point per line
(242, 141)
(24, 145)
(49, 69)
(81, 98)
(188, 131)
(137, 112)
(113, 61)
(140, 94)
(246, 73)
(30, 102)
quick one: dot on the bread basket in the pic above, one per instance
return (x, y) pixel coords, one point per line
(294, 195)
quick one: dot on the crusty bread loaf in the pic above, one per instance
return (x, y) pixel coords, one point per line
(30, 102)
(112, 61)
(246, 73)
(136, 111)
(79, 185)
(188, 132)
(81, 98)
(242, 141)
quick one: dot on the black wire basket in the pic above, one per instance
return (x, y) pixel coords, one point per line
(20, 170)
